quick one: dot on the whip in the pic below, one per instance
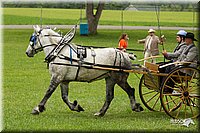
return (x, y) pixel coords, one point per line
(157, 9)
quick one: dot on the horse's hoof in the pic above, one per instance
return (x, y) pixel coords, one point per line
(98, 114)
(137, 108)
(141, 109)
(41, 108)
(35, 111)
(80, 108)
(77, 107)
(75, 103)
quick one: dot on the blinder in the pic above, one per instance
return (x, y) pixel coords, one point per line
(33, 39)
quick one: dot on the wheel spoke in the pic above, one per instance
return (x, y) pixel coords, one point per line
(185, 111)
(192, 78)
(179, 78)
(152, 97)
(149, 92)
(191, 107)
(156, 102)
(172, 100)
(194, 104)
(195, 96)
(178, 110)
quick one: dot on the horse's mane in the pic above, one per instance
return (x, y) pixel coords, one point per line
(52, 32)
(54, 36)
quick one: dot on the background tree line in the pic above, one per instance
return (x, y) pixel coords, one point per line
(107, 6)
(94, 9)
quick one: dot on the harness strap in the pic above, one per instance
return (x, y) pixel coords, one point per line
(120, 59)
(120, 63)
(52, 35)
(66, 39)
(93, 54)
(115, 57)
(70, 51)
(88, 67)
(77, 72)
(50, 57)
(98, 77)
(71, 48)
(57, 63)
(88, 63)
(41, 48)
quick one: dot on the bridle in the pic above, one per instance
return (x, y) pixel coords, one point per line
(35, 38)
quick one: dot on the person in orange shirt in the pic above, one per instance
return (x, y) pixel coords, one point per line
(123, 42)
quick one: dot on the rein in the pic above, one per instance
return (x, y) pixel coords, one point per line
(41, 48)
(86, 63)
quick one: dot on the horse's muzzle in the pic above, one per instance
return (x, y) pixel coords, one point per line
(29, 55)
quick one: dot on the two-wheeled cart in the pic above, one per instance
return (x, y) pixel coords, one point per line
(176, 92)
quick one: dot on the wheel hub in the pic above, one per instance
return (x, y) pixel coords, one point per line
(186, 94)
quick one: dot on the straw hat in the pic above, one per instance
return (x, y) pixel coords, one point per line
(151, 30)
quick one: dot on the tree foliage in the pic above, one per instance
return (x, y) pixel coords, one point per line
(110, 5)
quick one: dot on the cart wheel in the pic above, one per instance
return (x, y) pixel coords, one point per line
(179, 93)
(150, 98)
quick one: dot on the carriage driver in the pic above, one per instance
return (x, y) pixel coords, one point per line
(180, 38)
(189, 54)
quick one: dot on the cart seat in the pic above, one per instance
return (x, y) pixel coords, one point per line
(152, 66)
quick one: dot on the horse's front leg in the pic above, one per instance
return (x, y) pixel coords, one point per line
(109, 96)
(64, 91)
(40, 108)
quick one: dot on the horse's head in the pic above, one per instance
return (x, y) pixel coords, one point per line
(40, 39)
(34, 46)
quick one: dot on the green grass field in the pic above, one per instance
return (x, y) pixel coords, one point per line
(71, 16)
(25, 81)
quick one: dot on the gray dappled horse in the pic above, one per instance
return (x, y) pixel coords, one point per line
(67, 64)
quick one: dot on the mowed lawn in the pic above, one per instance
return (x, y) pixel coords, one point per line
(108, 17)
(25, 81)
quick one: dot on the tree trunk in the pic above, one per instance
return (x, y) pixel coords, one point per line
(92, 18)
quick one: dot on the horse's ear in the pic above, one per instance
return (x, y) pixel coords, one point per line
(54, 28)
(36, 28)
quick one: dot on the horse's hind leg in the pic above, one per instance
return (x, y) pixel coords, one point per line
(122, 82)
(64, 91)
(109, 96)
